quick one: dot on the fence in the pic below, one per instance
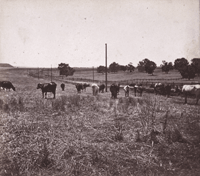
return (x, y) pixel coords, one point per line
(46, 73)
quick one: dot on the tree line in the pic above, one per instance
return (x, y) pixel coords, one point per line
(181, 64)
(186, 70)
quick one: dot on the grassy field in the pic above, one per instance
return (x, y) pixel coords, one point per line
(78, 134)
(87, 75)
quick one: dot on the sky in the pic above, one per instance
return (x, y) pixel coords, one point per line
(45, 33)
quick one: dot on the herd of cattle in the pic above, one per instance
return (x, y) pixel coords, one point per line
(157, 88)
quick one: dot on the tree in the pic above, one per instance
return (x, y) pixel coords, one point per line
(150, 66)
(114, 67)
(123, 68)
(101, 69)
(180, 63)
(141, 67)
(196, 64)
(65, 69)
(166, 66)
(147, 66)
(130, 67)
(188, 71)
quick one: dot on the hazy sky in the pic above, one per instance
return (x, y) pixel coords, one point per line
(42, 33)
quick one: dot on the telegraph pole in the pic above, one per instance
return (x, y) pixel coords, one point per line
(93, 73)
(106, 64)
(38, 73)
(51, 73)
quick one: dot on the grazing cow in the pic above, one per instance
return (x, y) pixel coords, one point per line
(101, 88)
(118, 89)
(159, 88)
(167, 90)
(47, 87)
(137, 88)
(114, 89)
(191, 89)
(79, 87)
(95, 89)
(176, 90)
(85, 85)
(126, 90)
(62, 86)
(162, 89)
(7, 85)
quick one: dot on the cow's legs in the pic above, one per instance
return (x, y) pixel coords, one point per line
(135, 90)
(185, 98)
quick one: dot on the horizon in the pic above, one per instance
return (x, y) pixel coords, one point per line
(49, 32)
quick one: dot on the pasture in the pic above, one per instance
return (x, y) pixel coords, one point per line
(79, 134)
(87, 75)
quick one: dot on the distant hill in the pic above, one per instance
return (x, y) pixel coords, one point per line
(5, 65)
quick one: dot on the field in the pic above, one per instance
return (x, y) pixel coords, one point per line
(90, 75)
(79, 134)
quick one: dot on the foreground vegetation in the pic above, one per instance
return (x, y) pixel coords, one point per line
(85, 135)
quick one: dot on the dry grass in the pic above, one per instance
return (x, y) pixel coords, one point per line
(78, 134)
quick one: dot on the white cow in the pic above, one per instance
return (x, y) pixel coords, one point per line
(126, 90)
(191, 89)
(95, 89)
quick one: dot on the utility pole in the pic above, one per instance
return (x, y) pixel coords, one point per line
(38, 73)
(51, 73)
(93, 73)
(106, 64)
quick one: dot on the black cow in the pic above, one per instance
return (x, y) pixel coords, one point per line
(159, 88)
(162, 89)
(114, 89)
(85, 85)
(7, 85)
(62, 86)
(177, 90)
(138, 89)
(101, 88)
(168, 88)
(47, 87)
(79, 87)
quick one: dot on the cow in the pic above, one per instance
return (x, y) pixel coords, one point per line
(95, 89)
(79, 87)
(191, 89)
(62, 86)
(162, 89)
(176, 91)
(167, 90)
(7, 85)
(137, 88)
(47, 87)
(159, 88)
(118, 89)
(126, 90)
(85, 85)
(114, 89)
(101, 88)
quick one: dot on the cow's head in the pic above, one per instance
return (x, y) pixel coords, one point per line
(39, 86)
